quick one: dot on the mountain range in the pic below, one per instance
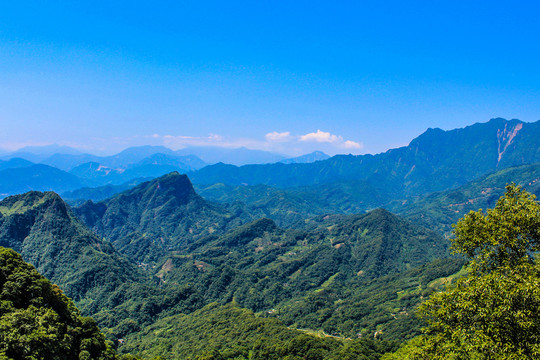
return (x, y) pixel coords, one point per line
(436, 160)
(326, 259)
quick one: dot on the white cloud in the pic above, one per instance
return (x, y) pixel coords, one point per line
(352, 145)
(335, 141)
(321, 136)
(275, 141)
(279, 137)
(182, 141)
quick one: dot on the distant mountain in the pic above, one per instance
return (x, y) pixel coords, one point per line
(67, 162)
(37, 177)
(235, 156)
(153, 166)
(134, 155)
(155, 217)
(308, 158)
(187, 162)
(434, 161)
(130, 157)
(38, 153)
(14, 163)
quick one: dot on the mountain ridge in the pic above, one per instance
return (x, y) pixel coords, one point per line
(433, 161)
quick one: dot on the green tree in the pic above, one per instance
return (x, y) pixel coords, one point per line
(494, 312)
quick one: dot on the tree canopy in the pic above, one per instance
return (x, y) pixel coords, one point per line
(494, 312)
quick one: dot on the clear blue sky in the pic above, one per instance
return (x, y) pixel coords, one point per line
(287, 76)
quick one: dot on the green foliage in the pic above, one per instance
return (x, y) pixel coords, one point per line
(494, 313)
(37, 321)
(229, 332)
(385, 306)
(506, 237)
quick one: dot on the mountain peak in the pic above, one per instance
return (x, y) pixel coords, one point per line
(19, 204)
(173, 184)
(307, 158)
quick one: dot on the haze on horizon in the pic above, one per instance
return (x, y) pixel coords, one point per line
(284, 77)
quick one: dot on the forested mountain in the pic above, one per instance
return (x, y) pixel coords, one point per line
(43, 229)
(440, 210)
(436, 160)
(260, 265)
(155, 217)
(289, 207)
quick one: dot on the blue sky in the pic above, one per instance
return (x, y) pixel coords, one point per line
(286, 76)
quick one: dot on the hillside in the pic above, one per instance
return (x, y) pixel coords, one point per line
(155, 217)
(43, 229)
(266, 269)
(229, 332)
(262, 266)
(442, 209)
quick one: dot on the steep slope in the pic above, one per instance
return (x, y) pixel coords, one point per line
(37, 321)
(155, 217)
(434, 161)
(43, 229)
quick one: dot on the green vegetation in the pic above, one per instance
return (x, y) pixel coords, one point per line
(37, 321)
(148, 221)
(383, 307)
(352, 283)
(229, 332)
(43, 229)
(264, 268)
(494, 312)
(439, 210)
